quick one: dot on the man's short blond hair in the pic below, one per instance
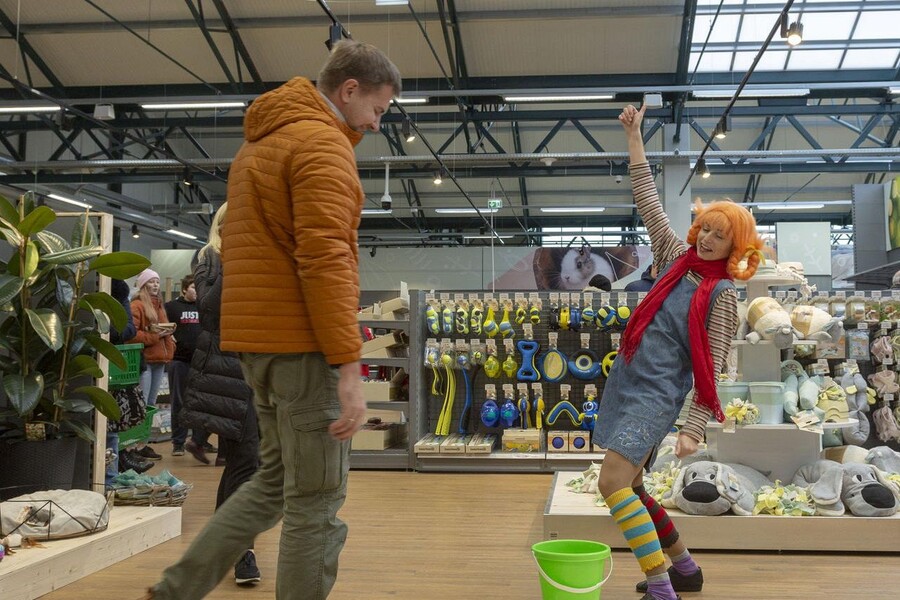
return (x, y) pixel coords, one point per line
(360, 61)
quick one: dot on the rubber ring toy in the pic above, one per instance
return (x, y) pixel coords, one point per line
(585, 365)
(553, 365)
(490, 414)
(608, 361)
(528, 349)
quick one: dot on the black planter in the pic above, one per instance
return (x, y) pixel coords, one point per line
(28, 467)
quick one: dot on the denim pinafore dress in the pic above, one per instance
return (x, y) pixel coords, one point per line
(642, 399)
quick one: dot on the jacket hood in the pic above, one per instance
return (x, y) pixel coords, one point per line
(646, 275)
(296, 100)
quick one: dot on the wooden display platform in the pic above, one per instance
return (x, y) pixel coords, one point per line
(34, 572)
(571, 515)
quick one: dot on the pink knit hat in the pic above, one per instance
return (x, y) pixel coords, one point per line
(145, 276)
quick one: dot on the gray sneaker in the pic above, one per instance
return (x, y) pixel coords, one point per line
(178, 450)
(246, 571)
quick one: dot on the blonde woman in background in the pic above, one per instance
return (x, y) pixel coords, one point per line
(217, 398)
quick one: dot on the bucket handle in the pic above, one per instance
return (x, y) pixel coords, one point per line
(571, 590)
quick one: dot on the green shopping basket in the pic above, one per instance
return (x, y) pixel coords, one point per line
(132, 373)
(138, 433)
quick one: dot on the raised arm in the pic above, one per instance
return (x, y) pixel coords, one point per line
(666, 245)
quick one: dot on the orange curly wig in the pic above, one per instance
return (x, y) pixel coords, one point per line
(732, 218)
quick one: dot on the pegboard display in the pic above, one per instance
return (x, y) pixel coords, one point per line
(586, 327)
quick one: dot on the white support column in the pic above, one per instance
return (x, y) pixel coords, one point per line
(675, 173)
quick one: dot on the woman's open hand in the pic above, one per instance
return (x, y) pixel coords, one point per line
(631, 118)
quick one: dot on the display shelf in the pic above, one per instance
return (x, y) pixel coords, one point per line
(35, 572)
(385, 324)
(385, 362)
(392, 458)
(771, 343)
(571, 515)
(786, 426)
(388, 405)
(528, 462)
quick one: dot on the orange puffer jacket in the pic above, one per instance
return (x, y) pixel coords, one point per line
(156, 349)
(291, 280)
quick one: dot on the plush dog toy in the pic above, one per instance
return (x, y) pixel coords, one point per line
(855, 386)
(813, 323)
(769, 321)
(884, 459)
(712, 488)
(862, 489)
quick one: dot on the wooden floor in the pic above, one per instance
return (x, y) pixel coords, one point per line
(425, 536)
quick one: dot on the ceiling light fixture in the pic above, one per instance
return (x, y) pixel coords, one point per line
(751, 93)
(104, 112)
(191, 105)
(894, 91)
(412, 100)
(487, 237)
(407, 131)
(391, 2)
(464, 211)
(69, 201)
(387, 202)
(187, 178)
(375, 211)
(722, 127)
(572, 209)
(134, 231)
(29, 108)
(438, 178)
(181, 234)
(795, 34)
(788, 205)
(560, 98)
(702, 169)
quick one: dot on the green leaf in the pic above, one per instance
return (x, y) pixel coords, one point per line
(112, 307)
(64, 293)
(32, 256)
(73, 255)
(107, 349)
(120, 265)
(102, 320)
(10, 286)
(8, 212)
(83, 233)
(51, 242)
(82, 430)
(11, 234)
(83, 365)
(23, 391)
(47, 325)
(37, 220)
(102, 399)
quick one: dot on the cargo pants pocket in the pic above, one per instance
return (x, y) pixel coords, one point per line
(320, 460)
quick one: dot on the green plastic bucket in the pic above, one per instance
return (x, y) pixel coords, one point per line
(571, 569)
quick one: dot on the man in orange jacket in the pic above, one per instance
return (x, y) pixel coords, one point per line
(289, 302)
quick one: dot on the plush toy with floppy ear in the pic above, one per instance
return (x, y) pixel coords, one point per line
(884, 459)
(712, 488)
(862, 489)
(769, 321)
(855, 387)
(813, 323)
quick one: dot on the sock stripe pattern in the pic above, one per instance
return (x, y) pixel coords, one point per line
(633, 519)
(665, 528)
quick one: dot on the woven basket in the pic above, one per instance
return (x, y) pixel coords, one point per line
(156, 495)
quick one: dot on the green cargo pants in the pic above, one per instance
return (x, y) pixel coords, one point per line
(302, 478)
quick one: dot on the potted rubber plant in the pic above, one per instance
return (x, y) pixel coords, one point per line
(51, 326)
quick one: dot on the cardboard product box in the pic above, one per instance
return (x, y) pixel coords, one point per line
(481, 443)
(557, 441)
(381, 342)
(521, 440)
(384, 391)
(598, 449)
(455, 444)
(380, 436)
(387, 416)
(836, 349)
(579, 441)
(430, 444)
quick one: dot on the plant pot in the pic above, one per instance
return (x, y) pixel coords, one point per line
(28, 467)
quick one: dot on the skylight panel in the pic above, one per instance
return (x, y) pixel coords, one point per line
(756, 27)
(827, 26)
(877, 25)
(814, 60)
(870, 59)
(725, 29)
(772, 60)
(712, 61)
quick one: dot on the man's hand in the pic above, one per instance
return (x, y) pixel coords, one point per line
(353, 407)
(685, 445)
(631, 119)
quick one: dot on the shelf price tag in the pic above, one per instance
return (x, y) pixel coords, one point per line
(876, 294)
(841, 294)
(780, 294)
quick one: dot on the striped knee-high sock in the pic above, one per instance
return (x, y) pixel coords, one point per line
(665, 529)
(635, 523)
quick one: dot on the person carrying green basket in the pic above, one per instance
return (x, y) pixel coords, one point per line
(677, 338)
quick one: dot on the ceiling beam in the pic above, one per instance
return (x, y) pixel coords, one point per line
(29, 51)
(200, 19)
(239, 46)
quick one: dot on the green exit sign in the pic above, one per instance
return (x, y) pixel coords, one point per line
(495, 203)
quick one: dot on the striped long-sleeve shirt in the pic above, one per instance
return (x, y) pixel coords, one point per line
(667, 246)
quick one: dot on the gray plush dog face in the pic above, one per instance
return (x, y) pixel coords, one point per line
(864, 494)
(699, 495)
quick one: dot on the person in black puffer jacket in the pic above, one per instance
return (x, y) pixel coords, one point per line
(217, 398)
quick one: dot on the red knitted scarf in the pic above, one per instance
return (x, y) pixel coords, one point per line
(698, 337)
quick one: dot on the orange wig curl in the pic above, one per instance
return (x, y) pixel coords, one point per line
(728, 217)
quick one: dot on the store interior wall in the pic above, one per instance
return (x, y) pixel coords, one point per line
(870, 248)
